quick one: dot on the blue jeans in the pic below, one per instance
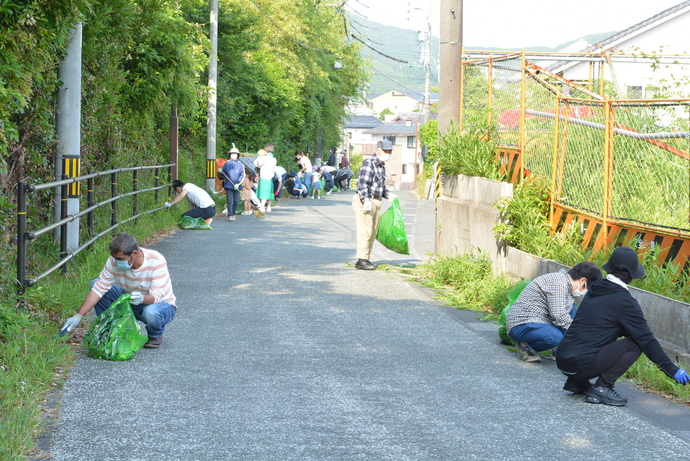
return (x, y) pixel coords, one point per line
(233, 197)
(155, 316)
(307, 181)
(540, 336)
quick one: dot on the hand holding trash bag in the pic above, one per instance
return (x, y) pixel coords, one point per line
(136, 298)
(391, 232)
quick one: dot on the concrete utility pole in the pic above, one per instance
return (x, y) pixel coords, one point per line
(427, 67)
(68, 128)
(212, 99)
(450, 79)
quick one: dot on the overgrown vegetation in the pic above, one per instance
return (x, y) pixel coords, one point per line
(467, 281)
(470, 153)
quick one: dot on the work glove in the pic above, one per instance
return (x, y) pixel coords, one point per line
(73, 322)
(136, 298)
(366, 206)
(682, 377)
(168, 204)
(237, 187)
(391, 196)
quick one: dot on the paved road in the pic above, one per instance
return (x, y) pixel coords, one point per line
(281, 350)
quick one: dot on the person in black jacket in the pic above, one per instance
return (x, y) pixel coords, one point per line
(591, 348)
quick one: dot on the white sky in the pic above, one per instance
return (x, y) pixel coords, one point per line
(517, 23)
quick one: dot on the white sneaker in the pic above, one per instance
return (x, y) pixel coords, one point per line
(312, 197)
(268, 209)
(319, 197)
(328, 193)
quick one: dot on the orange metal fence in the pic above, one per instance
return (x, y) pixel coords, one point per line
(619, 168)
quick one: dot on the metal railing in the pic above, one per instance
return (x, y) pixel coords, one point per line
(61, 225)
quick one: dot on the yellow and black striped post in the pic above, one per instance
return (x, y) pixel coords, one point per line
(211, 169)
(71, 167)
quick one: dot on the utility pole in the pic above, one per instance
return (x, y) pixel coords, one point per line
(68, 128)
(450, 79)
(212, 100)
(427, 66)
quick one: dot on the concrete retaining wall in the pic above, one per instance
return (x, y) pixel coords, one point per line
(465, 221)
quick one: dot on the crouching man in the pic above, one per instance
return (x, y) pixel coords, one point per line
(144, 275)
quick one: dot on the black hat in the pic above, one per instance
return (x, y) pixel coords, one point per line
(625, 257)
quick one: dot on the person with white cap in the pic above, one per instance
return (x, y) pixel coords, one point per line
(591, 348)
(366, 203)
(232, 175)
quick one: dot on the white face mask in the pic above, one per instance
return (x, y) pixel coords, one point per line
(578, 293)
(384, 157)
(233, 156)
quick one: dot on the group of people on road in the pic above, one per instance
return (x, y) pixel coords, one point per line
(585, 340)
(600, 339)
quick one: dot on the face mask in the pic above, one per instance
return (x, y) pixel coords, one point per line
(233, 156)
(123, 265)
(385, 157)
(578, 293)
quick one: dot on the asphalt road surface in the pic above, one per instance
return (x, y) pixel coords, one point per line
(282, 350)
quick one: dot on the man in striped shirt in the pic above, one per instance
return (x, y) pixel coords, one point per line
(144, 275)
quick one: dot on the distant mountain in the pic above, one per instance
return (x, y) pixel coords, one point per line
(386, 42)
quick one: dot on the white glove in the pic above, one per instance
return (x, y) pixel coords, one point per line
(366, 206)
(71, 323)
(391, 196)
(168, 204)
(136, 298)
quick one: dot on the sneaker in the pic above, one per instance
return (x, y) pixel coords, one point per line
(319, 197)
(154, 343)
(246, 213)
(575, 386)
(328, 193)
(548, 355)
(268, 209)
(312, 197)
(604, 394)
(208, 221)
(364, 265)
(527, 354)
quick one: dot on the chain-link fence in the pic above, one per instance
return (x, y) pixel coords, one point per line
(623, 161)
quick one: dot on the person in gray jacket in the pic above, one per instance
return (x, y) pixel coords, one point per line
(591, 348)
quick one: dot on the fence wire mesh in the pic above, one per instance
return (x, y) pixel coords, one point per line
(626, 160)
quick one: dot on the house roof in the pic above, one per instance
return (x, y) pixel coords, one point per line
(619, 37)
(394, 130)
(417, 96)
(362, 121)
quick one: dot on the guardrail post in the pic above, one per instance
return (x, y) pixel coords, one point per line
(90, 203)
(135, 187)
(21, 236)
(157, 173)
(113, 191)
(63, 228)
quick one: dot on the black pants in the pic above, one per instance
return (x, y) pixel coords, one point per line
(612, 361)
(205, 213)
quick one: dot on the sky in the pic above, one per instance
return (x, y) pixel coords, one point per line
(516, 24)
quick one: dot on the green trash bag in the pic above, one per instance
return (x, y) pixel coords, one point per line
(194, 223)
(513, 294)
(115, 334)
(391, 232)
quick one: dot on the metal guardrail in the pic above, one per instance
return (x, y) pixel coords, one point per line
(23, 236)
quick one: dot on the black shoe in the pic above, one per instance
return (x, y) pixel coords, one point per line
(575, 386)
(154, 343)
(604, 394)
(364, 265)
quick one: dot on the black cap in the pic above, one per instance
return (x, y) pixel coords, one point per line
(625, 257)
